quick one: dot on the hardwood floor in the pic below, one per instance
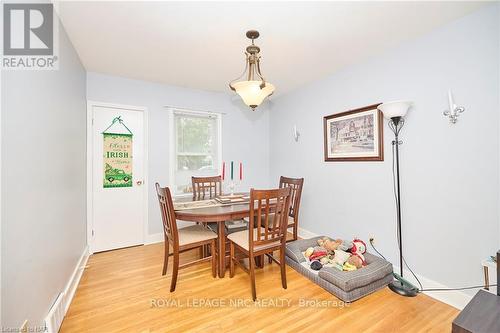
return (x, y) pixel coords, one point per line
(124, 291)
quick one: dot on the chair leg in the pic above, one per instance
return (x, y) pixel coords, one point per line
(175, 270)
(165, 259)
(252, 277)
(231, 259)
(259, 261)
(214, 261)
(283, 267)
(269, 258)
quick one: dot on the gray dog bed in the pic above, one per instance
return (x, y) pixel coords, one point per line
(348, 286)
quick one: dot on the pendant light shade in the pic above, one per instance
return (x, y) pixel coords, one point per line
(254, 89)
(251, 93)
(395, 109)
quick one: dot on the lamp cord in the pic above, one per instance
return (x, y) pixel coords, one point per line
(396, 200)
(453, 289)
(432, 289)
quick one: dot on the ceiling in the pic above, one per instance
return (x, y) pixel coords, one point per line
(200, 44)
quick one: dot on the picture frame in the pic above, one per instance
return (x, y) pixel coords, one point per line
(354, 135)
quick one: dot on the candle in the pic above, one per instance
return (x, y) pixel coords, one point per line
(232, 169)
(241, 171)
(223, 170)
(450, 101)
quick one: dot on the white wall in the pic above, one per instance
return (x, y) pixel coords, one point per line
(245, 133)
(43, 185)
(450, 173)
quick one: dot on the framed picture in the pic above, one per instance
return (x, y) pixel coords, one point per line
(355, 135)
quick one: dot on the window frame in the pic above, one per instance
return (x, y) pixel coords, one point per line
(173, 143)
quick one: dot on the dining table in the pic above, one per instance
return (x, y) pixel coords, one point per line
(205, 210)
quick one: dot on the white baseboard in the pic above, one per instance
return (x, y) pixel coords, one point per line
(303, 233)
(457, 299)
(70, 289)
(154, 238)
(59, 309)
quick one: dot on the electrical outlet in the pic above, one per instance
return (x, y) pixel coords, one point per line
(24, 327)
(372, 240)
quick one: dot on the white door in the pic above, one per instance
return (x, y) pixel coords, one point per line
(118, 213)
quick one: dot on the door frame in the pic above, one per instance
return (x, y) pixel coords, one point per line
(90, 220)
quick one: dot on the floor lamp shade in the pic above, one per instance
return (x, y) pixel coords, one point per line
(395, 109)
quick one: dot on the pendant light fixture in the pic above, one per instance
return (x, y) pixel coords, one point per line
(255, 89)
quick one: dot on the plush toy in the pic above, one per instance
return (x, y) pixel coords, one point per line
(358, 246)
(341, 257)
(330, 245)
(308, 252)
(356, 261)
(345, 246)
(324, 260)
(348, 267)
(316, 265)
(358, 249)
(321, 241)
(318, 253)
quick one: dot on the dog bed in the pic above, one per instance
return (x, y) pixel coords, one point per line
(348, 286)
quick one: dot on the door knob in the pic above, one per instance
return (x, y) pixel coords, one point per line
(139, 182)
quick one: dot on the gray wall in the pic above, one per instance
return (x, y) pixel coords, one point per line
(245, 134)
(450, 173)
(43, 185)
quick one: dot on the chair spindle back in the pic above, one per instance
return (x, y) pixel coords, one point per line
(269, 211)
(206, 187)
(295, 184)
(167, 214)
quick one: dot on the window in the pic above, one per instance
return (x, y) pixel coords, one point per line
(196, 148)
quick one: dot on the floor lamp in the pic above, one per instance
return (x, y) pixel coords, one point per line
(395, 112)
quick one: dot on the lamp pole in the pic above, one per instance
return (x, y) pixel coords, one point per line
(396, 143)
(400, 286)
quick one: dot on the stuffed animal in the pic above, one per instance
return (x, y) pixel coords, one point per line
(318, 253)
(308, 252)
(316, 265)
(358, 249)
(330, 245)
(358, 246)
(348, 267)
(341, 257)
(345, 246)
(356, 261)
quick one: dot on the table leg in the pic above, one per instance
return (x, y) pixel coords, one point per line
(486, 278)
(221, 249)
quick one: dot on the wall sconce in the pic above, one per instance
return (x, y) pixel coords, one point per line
(295, 133)
(454, 110)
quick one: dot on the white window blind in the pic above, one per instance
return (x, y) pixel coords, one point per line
(197, 148)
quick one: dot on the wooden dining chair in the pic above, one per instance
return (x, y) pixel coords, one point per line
(182, 239)
(206, 187)
(295, 185)
(269, 210)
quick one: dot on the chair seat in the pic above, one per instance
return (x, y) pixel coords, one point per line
(195, 234)
(241, 238)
